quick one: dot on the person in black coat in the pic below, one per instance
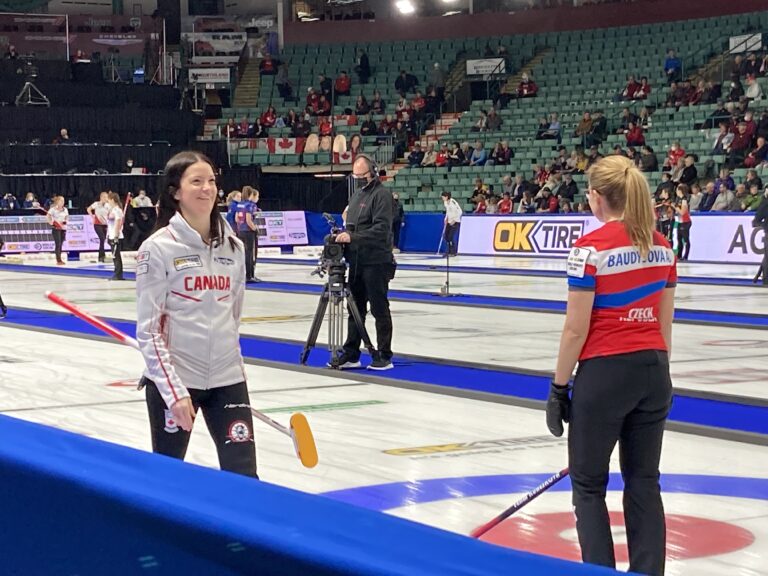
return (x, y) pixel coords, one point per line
(398, 218)
(761, 219)
(363, 67)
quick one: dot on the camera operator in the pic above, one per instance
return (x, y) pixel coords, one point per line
(371, 263)
(761, 219)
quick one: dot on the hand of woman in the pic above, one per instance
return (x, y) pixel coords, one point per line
(184, 413)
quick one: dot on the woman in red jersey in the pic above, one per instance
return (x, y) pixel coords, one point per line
(618, 327)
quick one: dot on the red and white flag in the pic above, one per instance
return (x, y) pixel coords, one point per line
(285, 145)
(343, 157)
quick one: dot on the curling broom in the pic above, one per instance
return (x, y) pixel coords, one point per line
(532, 495)
(298, 430)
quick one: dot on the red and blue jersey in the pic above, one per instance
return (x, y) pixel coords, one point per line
(243, 208)
(627, 288)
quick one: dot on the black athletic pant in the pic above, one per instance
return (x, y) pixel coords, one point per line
(117, 246)
(248, 238)
(58, 241)
(765, 261)
(451, 238)
(230, 428)
(101, 232)
(625, 399)
(683, 240)
(370, 284)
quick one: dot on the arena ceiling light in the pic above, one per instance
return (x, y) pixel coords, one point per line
(405, 6)
(449, 1)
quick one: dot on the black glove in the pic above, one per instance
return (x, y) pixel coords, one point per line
(558, 408)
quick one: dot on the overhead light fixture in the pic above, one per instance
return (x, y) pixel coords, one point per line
(452, 13)
(449, 1)
(405, 7)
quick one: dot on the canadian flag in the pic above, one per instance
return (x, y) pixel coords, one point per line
(343, 157)
(285, 145)
(343, 120)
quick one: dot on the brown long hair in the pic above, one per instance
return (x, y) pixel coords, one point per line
(626, 192)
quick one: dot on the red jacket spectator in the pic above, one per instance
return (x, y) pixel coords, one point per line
(325, 127)
(643, 89)
(269, 117)
(527, 87)
(442, 156)
(343, 84)
(323, 107)
(418, 102)
(631, 89)
(673, 156)
(505, 205)
(635, 136)
(481, 207)
(312, 99)
(267, 66)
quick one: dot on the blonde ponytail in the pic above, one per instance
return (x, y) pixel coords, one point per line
(626, 192)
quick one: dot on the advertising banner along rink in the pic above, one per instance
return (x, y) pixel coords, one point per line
(716, 238)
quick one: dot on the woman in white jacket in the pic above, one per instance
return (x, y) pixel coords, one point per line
(190, 280)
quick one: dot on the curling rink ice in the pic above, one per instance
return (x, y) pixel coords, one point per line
(449, 461)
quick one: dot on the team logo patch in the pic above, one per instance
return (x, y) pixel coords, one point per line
(187, 262)
(142, 269)
(170, 423)
(577, 262)
(239, 432)
(142, 256)
(225, 261)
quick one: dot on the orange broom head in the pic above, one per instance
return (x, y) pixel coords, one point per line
(303, 440)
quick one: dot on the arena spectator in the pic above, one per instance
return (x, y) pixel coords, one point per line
(643, 90)
(676, 152)
(585, 126)
(283, 83)
(268, 65)
(540, 174)
(673, 67)
(753, 180)
(467, 150)
(361, 106)
(64, 138)
(507, 185)
(323, 106)
(542, 128)
(677, 171)
(666, 184)
(30, 201)
(313, 99)
(553, 131)
(722, 140)
(546, 201)
(594, 156)
(726, 200)
(644, 119)
(497, 156)
(664, 214)
(753, 91)
(739, 147)
(599, 130)
(377, 104)
(355, 145)
(430, 157)
(437, 80)
(443, 156)
(416, 156)
(503, 98)
(231, 130)
(481, 124)
(418, 104)
(9, 202)
(565, 206)
(724, 181)
(11, 53)
(325, 127)
(630, 89)
(683, 219)
(634, 155)
(480, 189)
(697, 95)
(401, 138)
(527, 87)
(505, 204)
(695, 199)
(527, 204)
(648, 160)
(405, 83)
(363, 67)
(481, 205)
(762, 125)
(718, 116)
(736, 91)
(368, 127)
(343, 84)
(301, 127)
(634, 135)
(689, 174)
(479, 155)
(752, 201)
(326, 87)
(569, 188)
(751, 65)
(494, 121)
(757, 155)
(456, 157)
(708, 197)
(269, 117)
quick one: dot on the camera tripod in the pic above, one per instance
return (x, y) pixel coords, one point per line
(336, 293)
(30, 95)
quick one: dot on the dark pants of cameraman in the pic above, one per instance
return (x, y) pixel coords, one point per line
(58, 241)
(451, 238)
(370, 284)
(623, 398)
(101, 233)
(248, 238)
(396, 227)
(230, 428)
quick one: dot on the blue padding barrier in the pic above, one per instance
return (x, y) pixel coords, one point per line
(318, 228)
(75, 505)
(685, 409)
(422, 232)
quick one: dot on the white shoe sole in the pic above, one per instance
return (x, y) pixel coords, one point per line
(381, 368)
(347, 365)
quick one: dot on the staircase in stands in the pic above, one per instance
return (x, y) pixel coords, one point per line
(247, 91)
(514, 80)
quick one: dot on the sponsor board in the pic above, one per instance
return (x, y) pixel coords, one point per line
(714, 238)
(485, 66)
(33, 233)
(476, 447)
(209, 75)
(282, 228)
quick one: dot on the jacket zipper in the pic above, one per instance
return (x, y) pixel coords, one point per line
(210, 322)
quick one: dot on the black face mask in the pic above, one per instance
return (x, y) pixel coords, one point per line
(359, 183)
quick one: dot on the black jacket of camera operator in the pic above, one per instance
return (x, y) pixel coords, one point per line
(369, 223)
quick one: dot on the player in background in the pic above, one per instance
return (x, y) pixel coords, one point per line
(190, 283)
(618, 327)
(115, 221)
(245, 227)
(58, 215)
(255, 194)
(232, 199)
(99, 211)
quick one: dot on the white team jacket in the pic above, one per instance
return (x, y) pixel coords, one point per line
(189, 301)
